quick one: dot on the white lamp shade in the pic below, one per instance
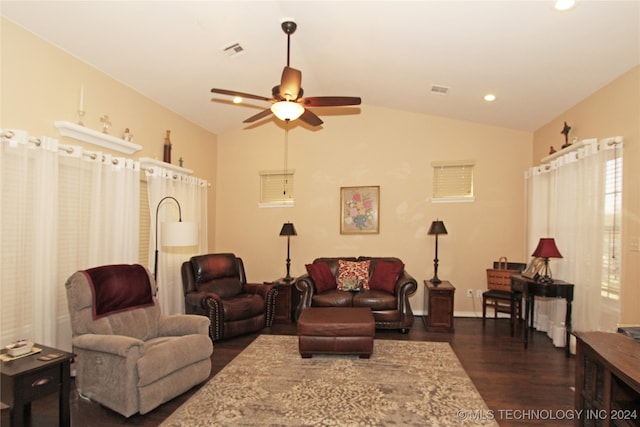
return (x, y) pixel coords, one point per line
(179, 233)
(287, 110)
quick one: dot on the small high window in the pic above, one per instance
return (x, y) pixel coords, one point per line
(453, 181)
(276, 188)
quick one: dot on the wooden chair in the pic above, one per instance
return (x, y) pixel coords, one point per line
(498, 295)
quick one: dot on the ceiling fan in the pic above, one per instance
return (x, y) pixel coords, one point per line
(287, 101)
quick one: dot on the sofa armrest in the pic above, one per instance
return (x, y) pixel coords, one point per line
(406, 285)
(183, 324)
(307, 288)
(119, 345)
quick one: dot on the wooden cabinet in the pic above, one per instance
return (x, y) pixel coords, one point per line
(607, 379)
(439, 303)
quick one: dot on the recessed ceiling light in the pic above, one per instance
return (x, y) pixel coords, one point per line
(237, 100)
(564, 4)
(489, 97)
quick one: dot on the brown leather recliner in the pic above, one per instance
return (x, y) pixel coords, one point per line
(390, 310)
(215, 286)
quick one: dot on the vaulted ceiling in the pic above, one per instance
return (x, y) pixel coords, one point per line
(538, 62)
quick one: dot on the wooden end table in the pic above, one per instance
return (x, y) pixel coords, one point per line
(286, 301)
(439, 300)
(27, 378)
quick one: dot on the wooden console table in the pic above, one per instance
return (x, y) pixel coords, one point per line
(607, 379)
(530, 289)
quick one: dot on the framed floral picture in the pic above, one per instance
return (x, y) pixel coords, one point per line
(360, 210)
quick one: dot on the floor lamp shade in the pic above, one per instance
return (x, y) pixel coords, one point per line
(179, 233)
(174, 233)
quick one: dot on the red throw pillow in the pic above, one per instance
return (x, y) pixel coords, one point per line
(322, 276)
(385, 275)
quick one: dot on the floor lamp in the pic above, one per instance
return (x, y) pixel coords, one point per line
(288, 230)
(174, 233)
(437, 228)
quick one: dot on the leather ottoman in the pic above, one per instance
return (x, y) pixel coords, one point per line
(336, 330)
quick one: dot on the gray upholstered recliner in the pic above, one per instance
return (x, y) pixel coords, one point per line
(129, 357)
(215, 286)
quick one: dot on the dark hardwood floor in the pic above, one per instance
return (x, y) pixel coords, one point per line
(521, 387)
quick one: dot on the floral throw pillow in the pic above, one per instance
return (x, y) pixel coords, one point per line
(353, 275)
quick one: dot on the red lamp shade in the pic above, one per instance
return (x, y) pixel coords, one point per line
(547, 249)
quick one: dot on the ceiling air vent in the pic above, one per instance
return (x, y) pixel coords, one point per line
(439, 90)
(233, 50)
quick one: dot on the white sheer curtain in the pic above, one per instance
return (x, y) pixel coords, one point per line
(566, 201)
(191, 193)
(63, 209)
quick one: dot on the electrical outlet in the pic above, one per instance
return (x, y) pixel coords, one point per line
(479, 293)
(469, 293)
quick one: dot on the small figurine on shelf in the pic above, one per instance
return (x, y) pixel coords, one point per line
(180, 161)
(127, 135)
(167, 148)
(106, 123)
(565, 131)
(551, 150)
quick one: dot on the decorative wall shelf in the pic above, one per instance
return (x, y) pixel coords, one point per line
(81, 133)
(579, 144)
(148, 162)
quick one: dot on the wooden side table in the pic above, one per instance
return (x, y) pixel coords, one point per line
(286, 301)
(530, 288)
(439, 301)
(27, 378)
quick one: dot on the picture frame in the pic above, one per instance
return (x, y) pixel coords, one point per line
(533, 268)
(360, 210)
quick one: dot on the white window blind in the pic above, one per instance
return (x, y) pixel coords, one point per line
(145, 226)
(452, 181)
(612, 235)
(276, 188)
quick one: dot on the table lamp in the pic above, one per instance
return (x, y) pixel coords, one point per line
(546, 249)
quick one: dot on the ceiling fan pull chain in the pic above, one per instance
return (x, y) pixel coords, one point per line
(286, 156)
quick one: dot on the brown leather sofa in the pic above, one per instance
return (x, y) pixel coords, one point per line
(215, 285)
(391, 308)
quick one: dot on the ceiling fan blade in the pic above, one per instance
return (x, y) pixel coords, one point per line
(290, 83)
(240, 94)
(330, 101)
(260, 115)
(310, 118)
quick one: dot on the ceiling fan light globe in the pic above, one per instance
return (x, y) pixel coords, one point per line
(287, 110)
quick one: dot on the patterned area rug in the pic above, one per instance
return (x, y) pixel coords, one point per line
(404, 383)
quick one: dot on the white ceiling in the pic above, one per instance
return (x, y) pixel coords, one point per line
(537, 61)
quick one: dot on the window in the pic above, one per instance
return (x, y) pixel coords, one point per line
(453, 181)
(612, 236)
(276, 188)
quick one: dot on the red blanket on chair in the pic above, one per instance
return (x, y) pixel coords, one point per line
(118, 288)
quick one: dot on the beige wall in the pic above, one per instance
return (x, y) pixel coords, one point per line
(611, 111)
(382, 147)
(41, 84)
